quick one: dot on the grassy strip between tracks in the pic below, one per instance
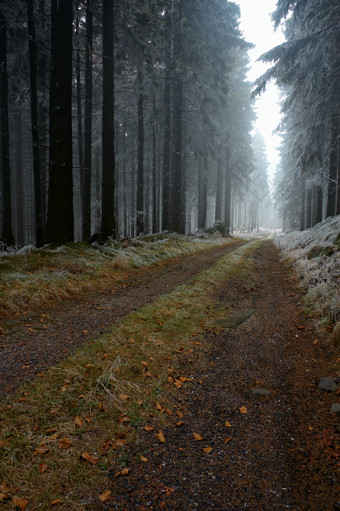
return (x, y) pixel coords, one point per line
(61, 434)
(32, 279)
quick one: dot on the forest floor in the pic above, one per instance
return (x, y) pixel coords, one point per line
(245, 427)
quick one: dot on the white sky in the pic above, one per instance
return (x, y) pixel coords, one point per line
(258, 29)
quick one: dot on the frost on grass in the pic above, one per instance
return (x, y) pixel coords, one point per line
(315, 254)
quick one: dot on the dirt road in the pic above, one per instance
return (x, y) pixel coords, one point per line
(267, 437)
(32, 343)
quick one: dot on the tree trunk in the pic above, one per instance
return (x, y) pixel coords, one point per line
(60, 193)
(309, 208)
(154, 168)
(32, 47)
(79, 118)
(108, 227)
(88, 124)
(318, 212)
(227, 196)
(167, 130)
(219, 184)
(7, 232)
(333, 168)
(140, 163)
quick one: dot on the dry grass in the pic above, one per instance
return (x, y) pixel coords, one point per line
(39, 278)
(100, 398)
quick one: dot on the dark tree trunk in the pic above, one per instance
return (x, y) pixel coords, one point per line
(219, 183)
(140, 172)
(108, 227)
(202, 193)
(333, 168)
(60, 193)
(177, 129)
(37, 174)
(7, 234)
(19, 183)
(79, 116)
(177, 155)
(309, 209)
(88, 124)
(167, 131)
(154, 168)
(227, 196)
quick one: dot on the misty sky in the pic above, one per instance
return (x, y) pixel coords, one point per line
(258, 29)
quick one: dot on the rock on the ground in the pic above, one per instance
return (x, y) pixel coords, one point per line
(260, 392)
(327, 383)
(335, 408)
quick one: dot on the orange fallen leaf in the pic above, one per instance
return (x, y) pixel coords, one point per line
(180, 423)
(123, 472)
(88, 457)
(197, 437)
(207, 450)
(65, 443)
(3, 496)
(315, 342)
(89, 365)
(41, 450)
(55, 502)
(178, 384)
(42, 468)
(180, 414)
(145, 364)
(227, 424)
(158, 406)
(123, 397)
(20, 503)
(139, 402)
(148, 428)
(227, 440)
(147, 374)
(78, 421)
(142, 458)
(160, 436)
(243, 410)
(105, 496)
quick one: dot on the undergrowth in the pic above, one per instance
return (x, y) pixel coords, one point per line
(62, 433)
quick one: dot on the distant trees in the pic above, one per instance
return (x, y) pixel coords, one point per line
(139, 118)
(307, 67)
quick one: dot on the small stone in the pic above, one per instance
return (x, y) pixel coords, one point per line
(335, 409)
(327, 383)
(260, 392)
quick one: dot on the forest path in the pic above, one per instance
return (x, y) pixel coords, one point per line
(267, 437)
(32, 343)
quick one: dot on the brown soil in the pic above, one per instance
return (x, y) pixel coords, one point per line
(281, 453)
(30, 344)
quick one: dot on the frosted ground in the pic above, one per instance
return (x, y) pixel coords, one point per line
(315, 253)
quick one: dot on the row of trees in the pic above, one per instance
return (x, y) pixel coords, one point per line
(307, 68)
(122, 118)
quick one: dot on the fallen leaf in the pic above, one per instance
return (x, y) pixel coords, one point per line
(197, 437)
(139, 402)
(42, 468)
(53, 411)
(148, 428)
(227, 440)
(227, 424)
(123, 397)
(178, 384)
(78, 421)
(4, 443)
(3, 496)
(65, 443)
(41, 450)
(105, 496)
(55, 502)
(123, 472)
(89, 458)
(147, 374)
(89, 365)
(180, 414)
(315, 342)
(207, 449)
(4, 487)
(20, 503)
(160, 436)
(158, 406)
(243, 410)
(180, 423)
(142, 458)
(145, 364)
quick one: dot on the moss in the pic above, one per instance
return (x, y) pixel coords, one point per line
(336, 242)
(320, 251)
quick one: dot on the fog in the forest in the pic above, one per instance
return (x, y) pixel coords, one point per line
(136, 117)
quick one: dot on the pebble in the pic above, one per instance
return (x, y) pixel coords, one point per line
(327, 383)
(335, 408)
(260, 392)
